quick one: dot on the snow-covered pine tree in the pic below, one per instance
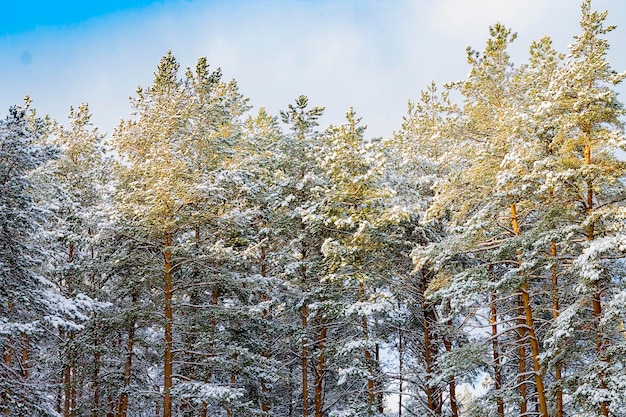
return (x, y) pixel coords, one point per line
(157, 184)
(298, 175)
(588, 183)
(352, 211)
(72, 189)
(485, 192)
(30, 305)
(419, 156)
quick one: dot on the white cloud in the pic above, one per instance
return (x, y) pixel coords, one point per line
(368, 54)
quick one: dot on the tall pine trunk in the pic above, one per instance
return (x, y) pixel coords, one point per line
(597, 297)
(304, 360)
(167, 357)
(371, 392)
(429, 353)
(128, 363)
(400, 370)
(304, 364)
(558, 395)
(454, 407)
(497, 373)
(530, 328)
(320, 370)
(95, 411)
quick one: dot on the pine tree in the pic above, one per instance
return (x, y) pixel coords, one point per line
(72, 188)
(156, 183)
(300, 175)
(588, 133)
(29, 302)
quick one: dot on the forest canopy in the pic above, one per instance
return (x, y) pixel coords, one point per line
(208, 259)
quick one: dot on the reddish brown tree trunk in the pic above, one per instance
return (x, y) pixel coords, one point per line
(429, 354)
(304, 364)
(73, 393)
(428, 359)
(371, 391)
(167, 357)
(597, 298)
(454, 408)
(96, 370)
(25, 359)
(67, 384)
(497, 374)
(128, 363)
(265, 406)
(304, 347)
(380, 398)
(555, 313)
(400, 371)
(8, 359)
(530, 328)
(320, 370)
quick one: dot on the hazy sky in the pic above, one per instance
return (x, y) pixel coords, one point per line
(372, 55)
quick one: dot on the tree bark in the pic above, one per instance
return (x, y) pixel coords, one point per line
(380, 397)
(128, 363)
(429, 359)
(96, 370)
(167, 357)
(400, 371)
(497, 374)
(530, 328)
(73, 393)
(521, 351)
(371, 392)
(265, 406)
(320, 371)
(555, 313)
(67, 380)
(304, 364)
(8, 359)
(304, 347)
(25, 357)
(454, 407)
(597, 297)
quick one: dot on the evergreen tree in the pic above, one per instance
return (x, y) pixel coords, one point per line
(30, 304)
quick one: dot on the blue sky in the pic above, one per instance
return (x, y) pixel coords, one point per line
(19, 17)
(373, 55)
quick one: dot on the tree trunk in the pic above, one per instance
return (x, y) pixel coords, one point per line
(497, 374)
(454, 408)
(534, 345)
(400, 371)
(371, 392)
(521, 351)
(265, 406)
(233, 381)
(73, 393)
(25, 355)
(429, 355)
(8, 359)
(128, 363)
(530, 328)
(304, 364)
(59, 396)
(304, 348)
(380, 397)
(167, 357)
(597, 297)
(67, 380)
(96, 370)
(555, 313)
(320, 370)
